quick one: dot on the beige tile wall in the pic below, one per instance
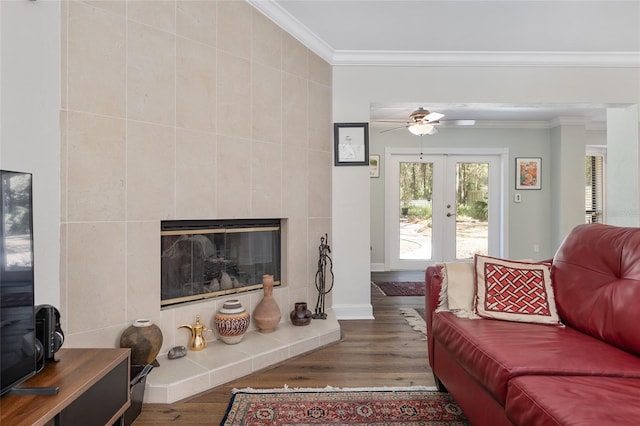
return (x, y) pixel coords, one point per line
(182, 110)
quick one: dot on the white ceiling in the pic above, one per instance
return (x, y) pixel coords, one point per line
(454, 25)
(471, 32)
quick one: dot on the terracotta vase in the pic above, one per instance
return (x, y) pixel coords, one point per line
(267, 313)
(300, 314)
(145, 340)
(232, 321)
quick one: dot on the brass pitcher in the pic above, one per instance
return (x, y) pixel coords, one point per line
(198, 342)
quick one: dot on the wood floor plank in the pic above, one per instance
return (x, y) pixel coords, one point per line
(381, 352)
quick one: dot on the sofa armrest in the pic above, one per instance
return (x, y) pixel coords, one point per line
(433, 283)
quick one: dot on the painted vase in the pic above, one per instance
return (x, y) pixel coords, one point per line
(300, 314)
(144, 338)
(267, 313)
(232, 321)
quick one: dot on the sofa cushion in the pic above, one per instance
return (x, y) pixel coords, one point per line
(514, 291)
(596, 275)
(494, 351)
(573, 400)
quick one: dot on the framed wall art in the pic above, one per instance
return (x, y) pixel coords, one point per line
(351, 144)
(528, 173)
(374, 166)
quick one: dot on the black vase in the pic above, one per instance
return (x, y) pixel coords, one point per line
(300, 314)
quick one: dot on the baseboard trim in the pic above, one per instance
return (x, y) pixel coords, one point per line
(377, 267)
(353, 312)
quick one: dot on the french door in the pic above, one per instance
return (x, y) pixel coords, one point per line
(442, 208)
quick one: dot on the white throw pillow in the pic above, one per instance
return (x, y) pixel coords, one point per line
(458, 290)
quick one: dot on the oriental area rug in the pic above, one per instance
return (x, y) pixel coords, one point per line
(393, 288)
(341, 406)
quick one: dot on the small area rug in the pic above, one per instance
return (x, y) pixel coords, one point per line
(342, 406)
(393, 288)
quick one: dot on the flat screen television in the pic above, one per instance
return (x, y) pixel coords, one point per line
(18, 357)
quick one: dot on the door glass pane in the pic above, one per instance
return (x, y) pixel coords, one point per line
(472, 215)
(416, 187)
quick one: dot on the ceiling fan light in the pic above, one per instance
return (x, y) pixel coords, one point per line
(420, 129)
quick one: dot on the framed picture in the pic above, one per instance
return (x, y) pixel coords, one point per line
(528, 173)
(374, 166)
(351, 144)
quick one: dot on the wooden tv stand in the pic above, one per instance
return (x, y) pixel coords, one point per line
(93, 390)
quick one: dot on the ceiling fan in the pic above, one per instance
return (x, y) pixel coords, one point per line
(422, 122)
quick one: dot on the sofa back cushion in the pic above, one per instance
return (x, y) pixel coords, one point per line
(596, 275)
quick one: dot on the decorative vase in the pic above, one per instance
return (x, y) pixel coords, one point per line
(145, 340)
(267, 313)
(232, 321)
(300, 314)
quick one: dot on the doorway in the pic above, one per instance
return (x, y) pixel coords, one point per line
(442, 207)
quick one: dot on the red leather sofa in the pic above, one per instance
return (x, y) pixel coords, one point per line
(586, 373)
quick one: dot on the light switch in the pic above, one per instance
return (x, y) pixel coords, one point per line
(517, 197)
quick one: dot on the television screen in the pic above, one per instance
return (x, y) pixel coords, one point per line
(17, 332)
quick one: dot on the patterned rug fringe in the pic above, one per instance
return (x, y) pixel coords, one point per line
(328, 388)
(415, 320)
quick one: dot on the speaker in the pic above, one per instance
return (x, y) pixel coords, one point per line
(39, 356)
(48, 331)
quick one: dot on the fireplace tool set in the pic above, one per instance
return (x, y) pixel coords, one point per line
(324, 262)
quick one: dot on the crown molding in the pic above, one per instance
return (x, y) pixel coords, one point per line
(294, 27)
(569, 121)
(596, 125)
(281, 17)
(518, 124)
(578, 121)
(476, 59)
(487, 124)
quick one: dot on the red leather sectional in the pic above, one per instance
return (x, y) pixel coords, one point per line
(586, 373)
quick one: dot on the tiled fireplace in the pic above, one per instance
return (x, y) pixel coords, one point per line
(203, 109)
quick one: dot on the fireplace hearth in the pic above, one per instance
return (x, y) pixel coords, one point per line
(209, 258)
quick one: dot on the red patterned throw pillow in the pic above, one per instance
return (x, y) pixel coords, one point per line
(514, 291)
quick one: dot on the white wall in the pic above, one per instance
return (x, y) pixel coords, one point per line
(356, 87)
(568, 180)
(622, 167)
(29, 124)
(350, 246)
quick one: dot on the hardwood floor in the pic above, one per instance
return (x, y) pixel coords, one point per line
(381, 352)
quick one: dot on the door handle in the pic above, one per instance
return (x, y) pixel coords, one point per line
(450, 214)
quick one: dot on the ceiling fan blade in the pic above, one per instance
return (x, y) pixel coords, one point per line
(392, 129)
(433, 131)
(459, 122)
(391, 121)
(432, 116)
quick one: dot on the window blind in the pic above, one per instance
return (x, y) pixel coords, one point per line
(594, 204)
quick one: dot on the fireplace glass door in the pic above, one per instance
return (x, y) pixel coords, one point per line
(202, 259)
